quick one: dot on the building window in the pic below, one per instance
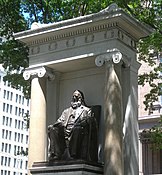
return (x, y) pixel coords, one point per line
(16, 98)
(19, 111)
(22, 100)
(7, 109)
(6, 134)
(18, 137)
(3, 120)
(19, 123)
(14, 165)
(15, 136)
(27, 138)
(10, 135)
(22, 112)
(9, 150)
(11, 96)
(10, 109)
(19, 99)
(8, 95)
(15, 149)
(2, 159)
(3, 131)
(9, 161)
(27, 102)
(15, 123)
(16, 108)
(2, 147)
(10, 122)
(4, 94)
(4, 105)
(6, 121)
(21, 163)
(22, 125)
(5, 161)
(26, 165)
(6, 146)
(21, 138)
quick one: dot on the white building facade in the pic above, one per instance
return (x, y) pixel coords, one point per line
(13, 131)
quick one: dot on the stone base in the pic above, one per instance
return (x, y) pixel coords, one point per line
(77, 167)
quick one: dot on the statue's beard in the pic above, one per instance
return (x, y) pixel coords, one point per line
(74, 105)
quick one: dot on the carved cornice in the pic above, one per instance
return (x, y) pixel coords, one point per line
(38, 72)
(114, 56)
(38, 28)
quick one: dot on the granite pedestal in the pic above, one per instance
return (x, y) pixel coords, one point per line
(77, 167)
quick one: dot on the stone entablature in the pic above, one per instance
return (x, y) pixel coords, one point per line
(101, 31)
(88, 35)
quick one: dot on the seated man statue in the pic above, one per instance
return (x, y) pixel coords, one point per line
(70, 136)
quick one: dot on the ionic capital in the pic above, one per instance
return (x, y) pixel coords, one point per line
(39, 72)
(114, 56)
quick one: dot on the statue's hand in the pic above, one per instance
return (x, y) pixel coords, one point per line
(50, 127)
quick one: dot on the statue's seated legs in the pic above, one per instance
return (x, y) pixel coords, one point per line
(61, 148)
(57, 142)
(76, 141)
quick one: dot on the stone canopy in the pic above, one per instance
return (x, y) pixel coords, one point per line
(73, 40)
(96, 54)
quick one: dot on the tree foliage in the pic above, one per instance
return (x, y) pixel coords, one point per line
(18, 15)
(13, 54)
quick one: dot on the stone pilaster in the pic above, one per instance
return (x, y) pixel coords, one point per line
(37, 133)
(113, 112)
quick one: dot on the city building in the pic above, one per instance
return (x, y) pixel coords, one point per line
(150, 160)
(13, 130)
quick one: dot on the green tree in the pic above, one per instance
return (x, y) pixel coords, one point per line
(18, 15)
(13, 54)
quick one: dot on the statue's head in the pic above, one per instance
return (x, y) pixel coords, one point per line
(77, 99)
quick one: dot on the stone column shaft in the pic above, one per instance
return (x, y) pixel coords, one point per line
(113, 112)
(37, 134)
(113, 146)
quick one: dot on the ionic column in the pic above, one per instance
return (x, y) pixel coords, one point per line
(113, 113)
(37, 132)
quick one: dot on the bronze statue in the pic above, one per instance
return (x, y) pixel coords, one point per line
(74, 135)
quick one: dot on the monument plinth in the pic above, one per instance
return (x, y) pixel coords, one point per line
(78, 167)
(96, 54)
